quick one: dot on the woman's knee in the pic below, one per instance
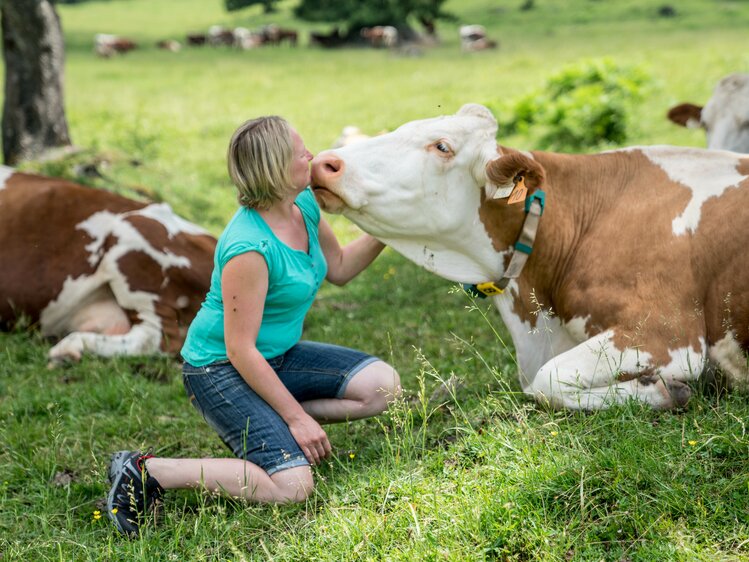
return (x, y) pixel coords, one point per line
(376, 386)
(294, 485)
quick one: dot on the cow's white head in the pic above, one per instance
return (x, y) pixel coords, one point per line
(725, 117)
(419, 189)
(726, 114)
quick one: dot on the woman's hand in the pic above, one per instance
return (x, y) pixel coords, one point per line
(311, 438)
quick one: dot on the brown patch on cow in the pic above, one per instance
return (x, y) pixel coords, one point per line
(743, 167)
(685, 112)
(176, 283)
(39, 244)
(592, 260)
(719, 253)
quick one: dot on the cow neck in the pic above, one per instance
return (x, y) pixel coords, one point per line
(521, 250)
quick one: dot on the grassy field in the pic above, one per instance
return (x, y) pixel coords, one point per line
(482, 474)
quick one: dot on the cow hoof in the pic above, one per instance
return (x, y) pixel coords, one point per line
(69, 349)
(680, 393)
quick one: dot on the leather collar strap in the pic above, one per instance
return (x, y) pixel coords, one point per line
(534, 208)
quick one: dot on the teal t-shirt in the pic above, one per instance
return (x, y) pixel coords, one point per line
(293, 280)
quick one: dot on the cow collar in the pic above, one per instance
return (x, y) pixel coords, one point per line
(534, 208)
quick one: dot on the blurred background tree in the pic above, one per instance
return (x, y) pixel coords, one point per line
(269, 6)
(33, 51)
(356, 14)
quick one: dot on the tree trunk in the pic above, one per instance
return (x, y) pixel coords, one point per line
(33, 50)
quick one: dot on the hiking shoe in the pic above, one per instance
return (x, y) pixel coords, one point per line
(133, 492)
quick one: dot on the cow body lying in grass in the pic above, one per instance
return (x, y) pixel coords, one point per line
(108, 275)
(637, 274)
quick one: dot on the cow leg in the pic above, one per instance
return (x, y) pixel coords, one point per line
(102, 327)
(595, 374)
(138, 341)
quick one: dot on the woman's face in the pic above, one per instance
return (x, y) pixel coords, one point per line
(300, 172)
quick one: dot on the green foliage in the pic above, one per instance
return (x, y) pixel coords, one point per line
(584, 106)
(269, 6)
(359, 13)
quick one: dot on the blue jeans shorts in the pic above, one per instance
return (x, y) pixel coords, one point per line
(247, 424)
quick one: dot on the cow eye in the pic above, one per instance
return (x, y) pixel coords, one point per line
(442, 147)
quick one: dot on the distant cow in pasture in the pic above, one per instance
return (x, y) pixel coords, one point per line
(219, 35)
(619, 275)
(289, 36)
(327, 40)
(246, 39)
(473, 38)
(196, 39)
(171, 45)
(272, 34)
(106, 274)
(381, 36)
(725, 117)
(349, 135)
(106, 45)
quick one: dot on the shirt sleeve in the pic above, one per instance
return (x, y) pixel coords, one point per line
(233, 250)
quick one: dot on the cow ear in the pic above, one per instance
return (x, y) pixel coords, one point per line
(686, 114)
(477, 110)
(503, 173)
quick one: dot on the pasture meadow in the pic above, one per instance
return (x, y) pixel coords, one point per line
(469, 470)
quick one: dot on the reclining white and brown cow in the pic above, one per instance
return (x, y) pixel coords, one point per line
(637, 274)
(725, 116)
(108, 275)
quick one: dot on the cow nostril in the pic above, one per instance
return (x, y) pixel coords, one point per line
(330, 168)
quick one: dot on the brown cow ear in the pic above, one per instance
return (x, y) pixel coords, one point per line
(503, 173)
(686, 114)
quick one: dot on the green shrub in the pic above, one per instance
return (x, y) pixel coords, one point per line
(586, 105)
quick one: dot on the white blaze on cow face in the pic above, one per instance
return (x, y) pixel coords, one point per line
(726, 115)
(418, 189)
(5, 173)
(706, 174)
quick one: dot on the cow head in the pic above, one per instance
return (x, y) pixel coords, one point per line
(725, 117)
(419, 189)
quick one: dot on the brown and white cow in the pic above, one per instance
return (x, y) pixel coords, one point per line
(473, 38)
(637, 274)
(107, 45)
(108, 275)
(725, 117)
(380, 36)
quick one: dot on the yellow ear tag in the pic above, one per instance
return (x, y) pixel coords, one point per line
(518, 193)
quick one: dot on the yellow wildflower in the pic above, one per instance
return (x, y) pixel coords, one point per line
(114, 510)
(692, 442)
(554, 433)
(351, 455)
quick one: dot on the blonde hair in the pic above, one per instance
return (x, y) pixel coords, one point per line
(259, 161)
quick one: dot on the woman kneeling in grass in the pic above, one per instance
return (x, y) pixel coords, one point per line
(262, 389)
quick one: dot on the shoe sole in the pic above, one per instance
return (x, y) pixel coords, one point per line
(117, 460)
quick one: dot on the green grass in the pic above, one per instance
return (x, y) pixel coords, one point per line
(486, 475)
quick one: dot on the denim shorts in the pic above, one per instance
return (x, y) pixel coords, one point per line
(246, 423)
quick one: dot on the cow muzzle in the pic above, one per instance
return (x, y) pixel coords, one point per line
(327, 170)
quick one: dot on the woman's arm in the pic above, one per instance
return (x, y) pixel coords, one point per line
(244, 286)
(346, 263)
